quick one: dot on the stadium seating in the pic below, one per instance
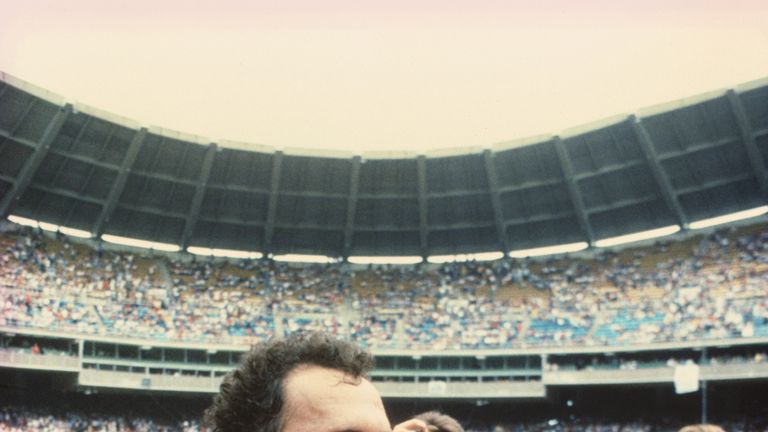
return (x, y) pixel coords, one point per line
(643, 295)
(29, 419)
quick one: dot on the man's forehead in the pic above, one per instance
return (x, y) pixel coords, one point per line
(318, 375)
(318, 382)
(332, 400)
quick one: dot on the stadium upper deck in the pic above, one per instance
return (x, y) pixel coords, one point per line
(74, 166)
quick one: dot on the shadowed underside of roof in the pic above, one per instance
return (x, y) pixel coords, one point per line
(663, 167)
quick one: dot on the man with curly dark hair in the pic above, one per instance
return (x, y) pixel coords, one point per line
(300, 384)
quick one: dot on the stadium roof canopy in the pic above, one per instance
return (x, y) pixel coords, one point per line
(685, 161)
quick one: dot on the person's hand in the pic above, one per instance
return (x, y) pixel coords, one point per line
(414, 425)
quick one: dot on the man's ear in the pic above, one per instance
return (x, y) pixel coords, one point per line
(413, 425)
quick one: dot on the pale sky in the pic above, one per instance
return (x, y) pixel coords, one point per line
(385, 75)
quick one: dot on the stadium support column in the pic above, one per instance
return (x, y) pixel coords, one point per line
(11, 198)
(661, 178)
(421, 170)
(573, 190)
(119, 184)
(754, 155)
(197, 200)
(354, 184)
(274, 190)
(493, 186)
(80, 352)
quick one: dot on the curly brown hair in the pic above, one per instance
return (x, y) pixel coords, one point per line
(251, 397)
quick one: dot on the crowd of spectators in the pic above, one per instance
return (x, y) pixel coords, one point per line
(25, 419)
(716, 290)
(756, 424)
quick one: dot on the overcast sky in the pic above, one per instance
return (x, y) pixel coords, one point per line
(384, 75)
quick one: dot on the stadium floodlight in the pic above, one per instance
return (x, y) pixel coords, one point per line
(549, 250)
(225, 253)
(727, 218)
(300, 258)
(48, 226)
(483, 256)
(146, 244)
(23, 221)
(74, 232)
(638, 236)
(383, 260)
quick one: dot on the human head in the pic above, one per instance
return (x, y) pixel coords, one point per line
(279, 381)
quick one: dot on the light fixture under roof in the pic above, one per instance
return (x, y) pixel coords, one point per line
(74, 232)
(49, 226)
(225, 253)
(638, 236)
(146, 244)
(301, 258)
(23, 221)
(728, 218)
(383, 260)
(483, 256)
(549, 250)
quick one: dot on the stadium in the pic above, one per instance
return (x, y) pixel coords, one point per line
(585, 321)
(608, 277)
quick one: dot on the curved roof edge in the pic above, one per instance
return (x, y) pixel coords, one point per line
(751, 85)
(679, 103)
(239, 145)
(375, 155)
(333, 153)
(321, 153)
(108, 116)
(181, 136)
(520, 142)
(453, 151)
(33, 89)
(593, 126)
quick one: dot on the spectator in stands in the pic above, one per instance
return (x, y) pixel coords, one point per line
(301, 383)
